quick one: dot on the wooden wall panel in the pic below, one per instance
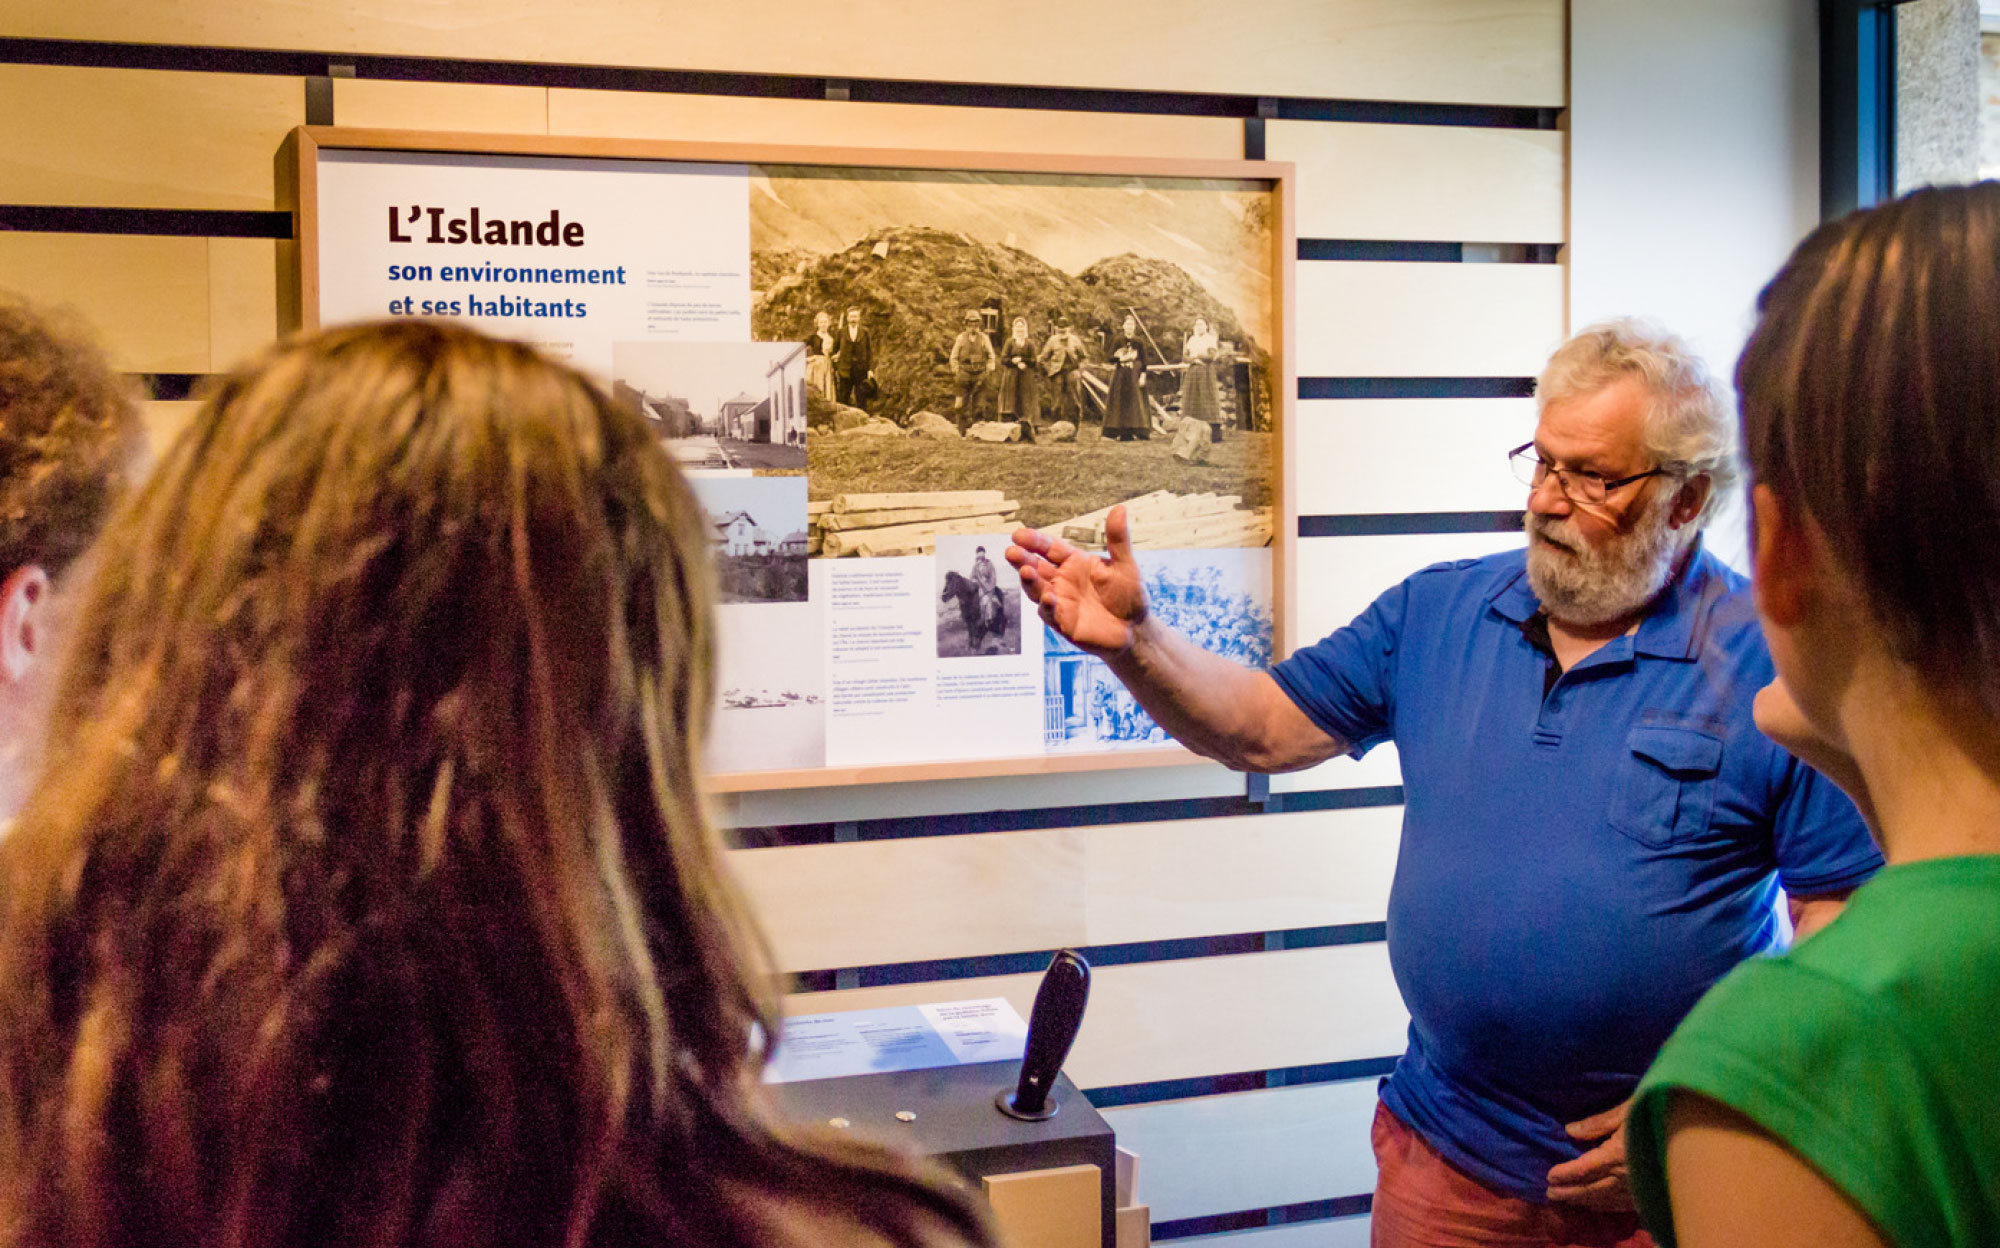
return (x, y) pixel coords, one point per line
(824, 905)
(841, 123)
(1455, 184)
(1340, 576)
(986, 793)
(1458, 51)
(1369, 318)
(242, 298)
(1379, 767)
(1382, 456)
(1251, 1150)
(477, 107)
(163, 420)
(142, 138)
(146, 297)
(1348, 1232)
(1150, 1021)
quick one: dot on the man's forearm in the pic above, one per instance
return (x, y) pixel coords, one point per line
(1222, 710)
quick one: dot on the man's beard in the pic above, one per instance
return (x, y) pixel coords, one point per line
(1587, 585)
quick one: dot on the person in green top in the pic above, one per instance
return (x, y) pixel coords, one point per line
(1848, 1092)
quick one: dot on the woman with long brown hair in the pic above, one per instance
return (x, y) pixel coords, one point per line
(370, 899)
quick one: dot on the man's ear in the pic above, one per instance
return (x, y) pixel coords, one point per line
(1690, 499)
(1786, 557)
(21, 642)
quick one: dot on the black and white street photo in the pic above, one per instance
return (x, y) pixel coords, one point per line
(720, 405)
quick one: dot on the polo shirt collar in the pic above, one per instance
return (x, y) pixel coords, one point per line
(1668, 629)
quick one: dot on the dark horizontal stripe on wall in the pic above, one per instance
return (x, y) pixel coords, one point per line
(1410, 522)
(1416, 387)
(999, 821)
(781, 86)
(1118, 1095)
(184, 222)
(160, 56)
(947, 969)
(1427, 252)
(1284, 1215)
(1335, 799)
(1394, 113)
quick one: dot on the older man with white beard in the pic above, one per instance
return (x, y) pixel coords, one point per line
(1594, 830)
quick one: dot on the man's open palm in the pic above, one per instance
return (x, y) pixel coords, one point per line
(1095, 602)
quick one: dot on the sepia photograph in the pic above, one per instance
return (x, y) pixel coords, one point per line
(757, 531)
(1218, 599)
(979, 598)
(1059, 342)
(720, 405)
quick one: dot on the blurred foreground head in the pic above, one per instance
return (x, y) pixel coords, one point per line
(374, 902)
(1871, 406)
(69, 427)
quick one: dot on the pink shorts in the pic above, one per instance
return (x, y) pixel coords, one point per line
(1423, 1201)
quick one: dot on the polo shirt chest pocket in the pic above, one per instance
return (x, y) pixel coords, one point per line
(1665, 787)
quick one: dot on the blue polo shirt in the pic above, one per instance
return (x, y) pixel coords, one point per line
(1577, 868)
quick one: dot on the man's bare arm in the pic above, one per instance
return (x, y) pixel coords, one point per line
(1223, 710)
(1234, 714)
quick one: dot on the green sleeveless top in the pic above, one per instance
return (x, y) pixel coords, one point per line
(1872, 1050)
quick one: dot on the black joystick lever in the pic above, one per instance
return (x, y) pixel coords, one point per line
(1052, 1028)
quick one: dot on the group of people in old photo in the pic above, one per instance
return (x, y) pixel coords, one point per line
(1034, 378)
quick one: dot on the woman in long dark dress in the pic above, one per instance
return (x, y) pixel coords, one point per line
(1199, 400)
(1020, 383)
(1125, 410)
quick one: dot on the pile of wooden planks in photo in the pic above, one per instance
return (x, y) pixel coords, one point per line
(1164, 520)
(904, 524)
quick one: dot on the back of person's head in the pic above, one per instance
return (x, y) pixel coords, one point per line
(1871, 400)
(375, 902)
(68, 429)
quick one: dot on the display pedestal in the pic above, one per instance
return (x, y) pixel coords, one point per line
(948, 1113)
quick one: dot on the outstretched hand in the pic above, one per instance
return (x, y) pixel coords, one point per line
(1096, 602)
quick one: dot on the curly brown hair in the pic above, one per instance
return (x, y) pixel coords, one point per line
(68, 427)
(375, 902)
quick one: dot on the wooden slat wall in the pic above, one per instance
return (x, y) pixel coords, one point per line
(1456, 51)
(1181, 1019)
(1194, 860)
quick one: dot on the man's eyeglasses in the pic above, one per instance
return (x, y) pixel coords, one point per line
(1579, 485)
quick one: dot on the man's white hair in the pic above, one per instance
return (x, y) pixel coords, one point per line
(1688, 429)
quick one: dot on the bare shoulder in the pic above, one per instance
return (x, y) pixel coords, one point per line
(1731, 1182)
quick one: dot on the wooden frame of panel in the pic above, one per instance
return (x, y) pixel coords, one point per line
(299, 165)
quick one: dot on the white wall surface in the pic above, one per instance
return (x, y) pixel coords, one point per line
(1694, 165)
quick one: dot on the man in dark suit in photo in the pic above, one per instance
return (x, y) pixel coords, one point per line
(854, 363)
